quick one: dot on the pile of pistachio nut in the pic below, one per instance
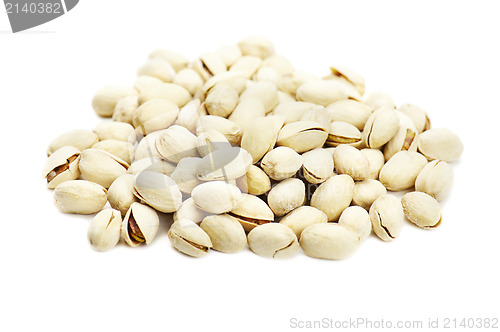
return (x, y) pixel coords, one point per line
(244, 149)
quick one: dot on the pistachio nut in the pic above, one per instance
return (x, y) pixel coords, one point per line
(267, 74)
(62, 165)
(256, 46)
(435, 179)
(105, 99)
(176, 143)
(251, 211)
(189, 210)
(273, 240)
(386, 215)
(284, 97)
(190, 114)
(104, 230)
(229, 54)
(211, 140)
(349, 160)
(261, 135)
(341, 132)
(79, 196)
(350, 111)
(154, 114)
(140, 225)
(286, 196)
(417, 115)
(333, 196)
(303, 217)
(325, 92)
(80, 139)
(124, 109)
(380, 127)
(185, 174)
(216, 196)
(441, 144)
(357, 220)
(246, 111)
(317, 114)
(329, 241)
(209, 64)
(176, 60)
(376, 159)
(366, 192)
(225, 232)
(291, 81)
(169, 91)
(101, 167)
(349, 76)
(158, 191)
(401, 171)
(157, 67)
(255, 181)
(236, 80)
(246, 66)
(405, 138)
(152, 165)
(190, 80)
(293, 111)
(221, 100)
(189, 238)
(302, 136)
(318, 166)
(266, 92)
(281, 163)
(122, 150)
(421, 209)
(119, 131)
(379, 99)
(228, 128)
(279, 63)
(144, 81)
(146, 148)
(224, 164)
(121, 193)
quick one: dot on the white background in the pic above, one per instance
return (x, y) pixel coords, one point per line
(443, 56)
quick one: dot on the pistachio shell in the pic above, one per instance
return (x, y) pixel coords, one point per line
(232, 78)
(190, 114)
(302, 136)
(62, 166)
(401, 171)
(152, 165)
(189, 238)
(255, 181)
(101, 167)
(121, 193)
(281, 163)
(229, 54)
(318, 114)
(379, 99)
(146, 148)
(273, 240)
(350, 76)
(216, 196)
(293, 111)
(139, 225)
(105, 99)
(325, 92)
(185, 174)
(211, 140)
(158, 191)
(226, 127)
(329, 241)
(350, 111)
(80, 139)
(224, 164)
(357, 220)
(318, 166)
(208, 65)
(435, 179)
(169, 91)
(157, 67)
(176, 143)
(189, 210)
(366, 192)
(225, 232)
(251, 211)
(178, 61)
(286, 196)
(79, 196)
(376, 159)
(104, 230)
(279, 63)
(386, 215)
(405, 138)
(333, 196)
(380, 127)
(441, 144)
(349, 160)
(417, 115)
(343, 133)
(124, 110)
(221, 100)
(260, 136)
(256, 46)
(266, 92)
(267, 74)
(246, 111)
(115, 130)
(421, 209)
(291, 81)
(155, 114)
(120, 149)
(246, 66)
(303, 217)
(189, 79)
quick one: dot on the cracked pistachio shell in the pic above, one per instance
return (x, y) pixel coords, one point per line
(211, 140)
(234, 79)
(224, 164)
(333, 196)
(266, 92)
(281, 163)
(169, 91)
(349, 76)
(278, 62)
(357, 220)
(302, 136)
(185, 174)
(303, 217)
(229, 54)
(343, 133)
(267, 74)
(318, 114)
(124, 109)
(221, 100)
(256, 46)
(291, 81)
(421, 209)
(208, 65)
(80, 196)
(101, 167)
(225, 232)
(190, 80)
(121, 193)
(146, 148)
(105, 99)
(155, 114)
(366, 192)
(176, 143)
(401, 171)
(190, 114)
(140, 225)
(376, 159)
(318, 166)
(216, 196)
(79, 138)
(252, 211)
(386, 215)
(286, 196)
(62, 165)
(255, 181)
(435, 179)
(405, 138)
(189, 238)
(104, 230)
(176, 60)
(157, 67)
(261, 135)
(158, 191)
(273, 240)
(379, 99)
(120, 149)
(152, 165)
(380, 127)
(329, 241)
(246, 66)
(189, 210)
(350, 111)
(119, 131)
(349, 160)
(247, 111)
(228, 128)
(325, 92)
(417, 115)
(293, 111)
(441, 144)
